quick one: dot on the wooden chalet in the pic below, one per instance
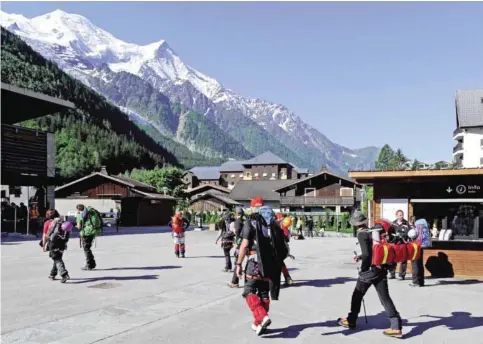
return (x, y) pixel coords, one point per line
(324, 191)
(447, 199)
(209, 197)
(140, 204)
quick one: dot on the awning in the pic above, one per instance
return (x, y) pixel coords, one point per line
(447, 200)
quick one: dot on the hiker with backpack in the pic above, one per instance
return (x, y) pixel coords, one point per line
(227, 237)
(238, 224)
(89, 223)
(55, 236)
(179, 225)
(372, 273)
(265, 249)
(401, 226)
(420, 234)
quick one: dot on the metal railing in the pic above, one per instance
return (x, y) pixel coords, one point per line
(457, 131)
(458, 147)
(315, 201)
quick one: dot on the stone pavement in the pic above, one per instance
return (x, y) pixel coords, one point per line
(141, 293)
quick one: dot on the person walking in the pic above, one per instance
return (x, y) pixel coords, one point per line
(239, 222)
(54, 239)
(371, 275)
(227, 237)
(89, 223)
(261, 244)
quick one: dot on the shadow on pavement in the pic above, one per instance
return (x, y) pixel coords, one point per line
(456, 321)
(111, 278)
(190, 257)
(322, 283)
(10, 243)
(378, 321)
(167, 267)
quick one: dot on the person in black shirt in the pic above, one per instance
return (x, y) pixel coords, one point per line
(261, 266)
(371, 275)
(227, 238)
(402, 227)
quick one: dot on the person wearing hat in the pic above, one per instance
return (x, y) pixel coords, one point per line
(257, 246)
(239, 222)
(370, 275)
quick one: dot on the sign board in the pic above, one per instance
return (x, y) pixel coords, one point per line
(389, 207)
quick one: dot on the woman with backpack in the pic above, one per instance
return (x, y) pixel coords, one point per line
(56, 234)
(419, 234)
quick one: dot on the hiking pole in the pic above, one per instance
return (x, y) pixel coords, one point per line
(363, 302)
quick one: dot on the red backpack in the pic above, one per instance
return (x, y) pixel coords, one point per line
(385, 251)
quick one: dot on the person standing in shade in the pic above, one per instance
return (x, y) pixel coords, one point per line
(309, 223)
(239, 222)
(402, 227)
(420, 233)
(371, 275)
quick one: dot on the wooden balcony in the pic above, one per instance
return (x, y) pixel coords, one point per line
(315, 201)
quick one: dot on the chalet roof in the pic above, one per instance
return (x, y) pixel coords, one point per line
(301, 170)
(154, 195)
(245, 190)
(232, 166)
(371, 175)
(224, 199)
(267, 158)
(206, 172)
(120, 179)
(321, 173)
(469, 108)
(207, 187)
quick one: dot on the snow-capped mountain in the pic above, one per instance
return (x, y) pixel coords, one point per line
(86, 51)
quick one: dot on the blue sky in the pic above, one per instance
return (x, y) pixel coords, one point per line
(361, 73)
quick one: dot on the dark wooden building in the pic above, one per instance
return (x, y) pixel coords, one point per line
(324, 191)
(140, 204)
(448, 199)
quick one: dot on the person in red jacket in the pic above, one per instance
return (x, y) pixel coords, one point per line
(179, 225)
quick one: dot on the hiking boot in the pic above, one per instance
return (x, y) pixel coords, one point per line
(345, 323)
(393, 333)
(177, 255)
(261, 328)
(288, 281)
(233, 285)
(52, 278)
(182, 256)
(65, 278)
(402, 278)
(392, 277)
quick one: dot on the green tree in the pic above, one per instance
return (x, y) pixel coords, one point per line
(415, 164)
(166, 178)
(385, 158)
(398, 160)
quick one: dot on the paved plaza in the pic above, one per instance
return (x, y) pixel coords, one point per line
(141, 293)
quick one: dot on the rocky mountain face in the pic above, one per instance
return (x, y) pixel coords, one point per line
(151, 83)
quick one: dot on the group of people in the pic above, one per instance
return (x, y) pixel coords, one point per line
(56, 234)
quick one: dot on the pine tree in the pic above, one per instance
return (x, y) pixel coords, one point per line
(385, 158)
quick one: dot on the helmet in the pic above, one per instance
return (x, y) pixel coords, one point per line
(413, 234)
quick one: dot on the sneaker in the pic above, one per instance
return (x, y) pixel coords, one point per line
(345, 323)
(402, 278)
(393, 333)
(52, 278)
(226, 270)
(288, 281)
(392, 277)
(260, 329)
(182, 256)
(415, 285)
(86, 268)
(64, 279)
(233, 285)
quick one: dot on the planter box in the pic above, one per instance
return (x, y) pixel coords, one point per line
(212, 227)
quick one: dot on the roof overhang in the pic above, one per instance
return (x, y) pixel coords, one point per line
(304, 180)
(368, 177)
(20, 104)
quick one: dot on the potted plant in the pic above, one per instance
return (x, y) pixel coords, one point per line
(212, 225)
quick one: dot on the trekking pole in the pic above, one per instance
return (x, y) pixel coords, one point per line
(363, 302)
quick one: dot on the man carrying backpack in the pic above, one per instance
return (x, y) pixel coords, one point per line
(89, 223)
(179, 225)
(264, 246)
(371, 274)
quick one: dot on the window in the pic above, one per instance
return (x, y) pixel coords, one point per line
(264, 174)
(310, 192)
(232, 176)
(241, 175)
(256, 174)
(273, 174)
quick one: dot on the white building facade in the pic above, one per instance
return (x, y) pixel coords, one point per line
(468, 151)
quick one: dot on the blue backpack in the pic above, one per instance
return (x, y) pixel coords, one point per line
(268, 214)
(422, 228)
